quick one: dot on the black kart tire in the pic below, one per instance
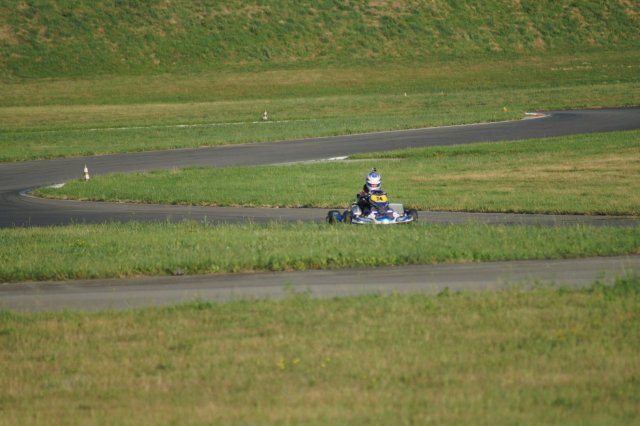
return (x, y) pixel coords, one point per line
(413, 213)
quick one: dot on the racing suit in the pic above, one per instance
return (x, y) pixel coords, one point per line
(363, 200)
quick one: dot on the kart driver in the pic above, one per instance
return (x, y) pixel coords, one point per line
(373, 182)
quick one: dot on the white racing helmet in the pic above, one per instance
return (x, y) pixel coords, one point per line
(373, 180)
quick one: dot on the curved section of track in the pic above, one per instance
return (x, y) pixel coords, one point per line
(17, 209)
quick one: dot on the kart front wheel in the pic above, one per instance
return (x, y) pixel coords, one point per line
(413, 213)
(333, 217)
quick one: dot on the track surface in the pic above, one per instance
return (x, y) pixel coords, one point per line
(19, 210)
(156, 291)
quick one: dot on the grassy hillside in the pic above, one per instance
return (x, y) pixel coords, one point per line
(81, 38)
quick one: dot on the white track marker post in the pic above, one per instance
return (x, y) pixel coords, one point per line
(86, 173)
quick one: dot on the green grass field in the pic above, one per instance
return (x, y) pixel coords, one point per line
(535, 357)
(79, 79)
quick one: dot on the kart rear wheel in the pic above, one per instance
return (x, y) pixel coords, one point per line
(333, 217)
(413, 213)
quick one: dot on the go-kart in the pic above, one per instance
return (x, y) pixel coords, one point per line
(381, 212)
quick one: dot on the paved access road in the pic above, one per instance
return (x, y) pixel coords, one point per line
(16, 209)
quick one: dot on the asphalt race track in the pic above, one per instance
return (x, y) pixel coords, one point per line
(432, 279)
(18, 209)
(16, 178)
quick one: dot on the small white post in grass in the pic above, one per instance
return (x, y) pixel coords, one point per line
(265, 116)
(86, 173)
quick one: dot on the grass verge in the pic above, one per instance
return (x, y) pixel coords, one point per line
(132, 249)
(72, 117)
(584, 174)
(544, 356)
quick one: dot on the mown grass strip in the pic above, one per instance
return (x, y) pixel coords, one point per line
(584, 174)
(48, 119)
(247, 86)
(542, 356)
(131, 249)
